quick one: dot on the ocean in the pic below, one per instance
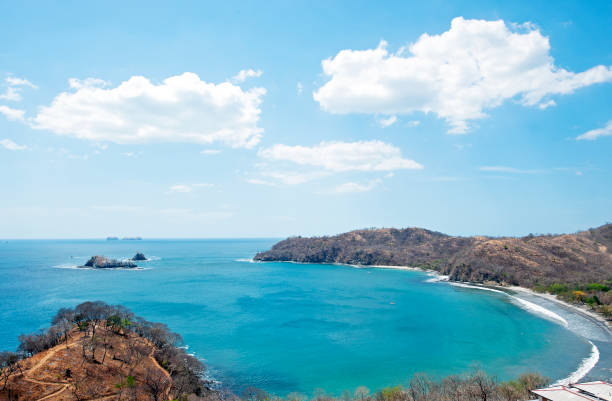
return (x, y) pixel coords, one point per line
(287, 327)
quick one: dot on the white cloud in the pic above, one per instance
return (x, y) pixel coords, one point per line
(300, 88)
(353, 187)
(243, 75)
(506, 169)
(474, 66)
(294, 177)
(210, 151)
(257, 181)
(12, 94)
(413, 123)
(76, 83)
(14, 81)
(12, 114)
(13, 88)
(343, 156)
(183, 188)
(387, 122)
(182, 108)
(596, 133)
(10, 145)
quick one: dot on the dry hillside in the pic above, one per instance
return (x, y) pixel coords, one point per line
(573, 265)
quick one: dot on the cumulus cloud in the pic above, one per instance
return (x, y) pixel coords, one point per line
(474, 66)
(14, 81)
(343, 156)
(387, 122)
(182, 108)
(596, 133)
(14, 86)
(243, 75)
(10, 145)
(354, 187)
(12, 114)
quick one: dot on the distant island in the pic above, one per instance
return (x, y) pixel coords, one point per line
(124, 238)
(576, 267)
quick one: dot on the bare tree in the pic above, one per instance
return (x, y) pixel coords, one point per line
(156, 383)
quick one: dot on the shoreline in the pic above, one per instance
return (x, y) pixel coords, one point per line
(580, 309)
(593, 316)
(584, 367)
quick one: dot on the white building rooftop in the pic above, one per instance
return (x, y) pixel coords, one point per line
(599, 389)
(561, 393)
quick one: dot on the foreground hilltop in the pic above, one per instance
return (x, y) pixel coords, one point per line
(98, 351)
(534, 261)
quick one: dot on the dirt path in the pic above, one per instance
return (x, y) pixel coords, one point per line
(61, 390)
(28, 374)
(49, 354)
(164, 371)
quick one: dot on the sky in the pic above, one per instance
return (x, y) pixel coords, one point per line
(272, 119)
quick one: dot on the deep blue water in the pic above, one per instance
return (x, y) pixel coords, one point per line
(288, 327)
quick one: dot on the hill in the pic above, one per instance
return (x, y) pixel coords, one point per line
(97, 351)
(577, 266)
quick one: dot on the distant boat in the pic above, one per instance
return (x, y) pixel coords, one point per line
(132, 238)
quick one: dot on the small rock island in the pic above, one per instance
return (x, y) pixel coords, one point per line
(139, 256)
(101, 262)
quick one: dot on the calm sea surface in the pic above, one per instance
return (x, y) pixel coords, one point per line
(288, 327)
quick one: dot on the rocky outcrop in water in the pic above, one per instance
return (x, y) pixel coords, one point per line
(139, 256)
(101, 262)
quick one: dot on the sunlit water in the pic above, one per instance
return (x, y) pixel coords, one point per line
(291, 327)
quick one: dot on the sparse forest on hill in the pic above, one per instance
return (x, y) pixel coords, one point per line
(98, 351)
(577, 267)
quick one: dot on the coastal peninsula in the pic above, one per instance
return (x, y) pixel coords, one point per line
(575, 267)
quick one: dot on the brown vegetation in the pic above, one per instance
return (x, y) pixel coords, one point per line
(97, 351)
(476, 386)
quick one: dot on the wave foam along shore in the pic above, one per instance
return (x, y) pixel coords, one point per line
(522, 303)
(585, 367)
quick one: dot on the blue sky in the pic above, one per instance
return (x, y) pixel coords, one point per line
(477, 117)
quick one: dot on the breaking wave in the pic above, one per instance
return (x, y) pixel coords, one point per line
(585, 367)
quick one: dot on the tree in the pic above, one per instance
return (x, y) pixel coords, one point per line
(361, 393)
(9, 365)
(64, 321)
(156, 383)
(251, 393)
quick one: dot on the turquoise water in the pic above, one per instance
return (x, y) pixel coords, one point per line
(288, 327)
